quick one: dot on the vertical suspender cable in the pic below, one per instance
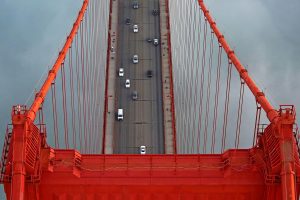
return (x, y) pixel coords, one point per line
(92, 72)
(210, 63)
(190, 79)
(88, 55)
(74, 131)
(239, 117)
(78, 80)
(272, 114)
(87, 71)
(216, 100)
(196, 96)
(65, 109)
(227, 98)
(82, 45)
(96, 108)
(184, 88)
(257, 121)
(52, 73)
(54, 113)
(202, 82)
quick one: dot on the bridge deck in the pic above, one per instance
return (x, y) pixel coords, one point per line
(142, 124)
(148, 120)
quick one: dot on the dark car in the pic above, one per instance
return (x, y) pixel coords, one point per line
(155, 12)
(127, 21)
(149, 40)
(149, 73)
(135, 5)
(134, 95)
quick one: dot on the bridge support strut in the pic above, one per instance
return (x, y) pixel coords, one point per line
(287, 150)
(18, 155)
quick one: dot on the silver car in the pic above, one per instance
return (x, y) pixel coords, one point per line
(155, 41)
(135, 59)
(143, 150)
(121, 72)
(127, 83)
(135, 28)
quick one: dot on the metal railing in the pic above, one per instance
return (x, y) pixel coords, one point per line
(5, 154)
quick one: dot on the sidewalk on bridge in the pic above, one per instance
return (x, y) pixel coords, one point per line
(167, 80)
(112, 67)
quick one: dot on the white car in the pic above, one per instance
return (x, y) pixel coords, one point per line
(127, 83)
(120, 114)
(143, 150)
(121, 72)
(135, 59)
(155, 41)
(135, 28)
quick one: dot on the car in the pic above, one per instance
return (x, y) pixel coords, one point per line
(135, 59)
(120, 115)
(155, 41)
(127, 21)
(121, 72)
(149, 40)
(135, 5)
(135, 28)
(142, 150)
(134, 95)
(155, 12)
(149, 73)
(127, 83)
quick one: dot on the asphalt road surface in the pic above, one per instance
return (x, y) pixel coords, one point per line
(143, 118)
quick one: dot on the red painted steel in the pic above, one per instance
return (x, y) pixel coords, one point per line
(280, 154)
(287, 152)
(22, 162)
(39, 99)
(272, 114)
(270, 170)
(20, 131)
(70, 175)
(235, 174)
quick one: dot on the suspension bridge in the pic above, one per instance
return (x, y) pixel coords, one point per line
(115, 119)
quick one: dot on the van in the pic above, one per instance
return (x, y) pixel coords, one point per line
(120, 115)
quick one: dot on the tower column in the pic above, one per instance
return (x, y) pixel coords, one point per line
(284, 129)
(20, 128)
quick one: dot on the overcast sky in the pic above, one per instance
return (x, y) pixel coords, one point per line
(31, 33)
(263, 33)
(265, 36)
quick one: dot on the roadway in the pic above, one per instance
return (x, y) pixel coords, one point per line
(143, 118)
